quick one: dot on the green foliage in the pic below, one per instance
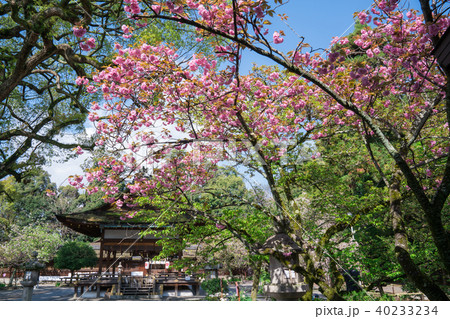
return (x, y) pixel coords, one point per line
(363, 296)
(38, 108)
(213, 286)
(222, 205)
(27, 203)
(23, 241)
(31, 203)
(183, 37)
(243, 297)
(234, 279)
(265, 277)
(342, 183)
(75, 255)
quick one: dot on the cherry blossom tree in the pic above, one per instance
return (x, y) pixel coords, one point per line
(167, 122)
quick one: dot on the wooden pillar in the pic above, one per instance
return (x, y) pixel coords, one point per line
(108, 259)
(100, 262)
(98, 291)
(114, 260)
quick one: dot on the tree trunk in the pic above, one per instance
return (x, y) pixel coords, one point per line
(380, 289)
(439, 235)
(309, 293)
(256, 278)
(414, 274)
(11, 278)
(331, 293)
(318, 277)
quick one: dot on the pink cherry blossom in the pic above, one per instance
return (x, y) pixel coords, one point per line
(79, 150)
(79, 32)
(277, 39)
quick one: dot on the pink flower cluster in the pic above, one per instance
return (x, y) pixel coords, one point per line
(81, 81)
(277, 39)
(88, 44)
(79, 150)
(148, 86)
(79, 32)
(132, 7)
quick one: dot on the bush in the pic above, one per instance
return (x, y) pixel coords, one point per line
(75, 255)
(234, 279)
(244, 297)
(362, 296)
(212, 286)
(265, 277)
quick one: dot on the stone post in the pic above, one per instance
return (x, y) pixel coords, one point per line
(31, 277)
(119, 279)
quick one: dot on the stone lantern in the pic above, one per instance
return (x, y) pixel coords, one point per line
(119, 279)
(284, 284)
(31, 277)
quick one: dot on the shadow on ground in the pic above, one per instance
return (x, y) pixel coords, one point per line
(42, 293)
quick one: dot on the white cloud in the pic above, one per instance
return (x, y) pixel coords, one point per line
(61, 171)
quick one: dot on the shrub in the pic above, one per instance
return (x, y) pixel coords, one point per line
(244, 297)
(212, 286)
(362, 296)
(234, 279)
(75, 255)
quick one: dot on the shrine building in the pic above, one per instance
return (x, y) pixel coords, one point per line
(120, 240)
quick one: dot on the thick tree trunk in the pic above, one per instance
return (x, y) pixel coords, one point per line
(331, 293)
(439, 235)
(414, 274)
(317, 276)
(11, 278)
(256, 277)
(309, 293)
(380, 289)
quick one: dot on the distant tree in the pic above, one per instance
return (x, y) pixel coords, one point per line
(36, 200)
(7, 215)
(23, 241)
(31, 205)
(75, 255)
(224, 225)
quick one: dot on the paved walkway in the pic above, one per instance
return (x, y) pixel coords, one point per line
(49, 292)
(43, 293)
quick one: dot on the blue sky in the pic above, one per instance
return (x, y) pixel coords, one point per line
(317, 21)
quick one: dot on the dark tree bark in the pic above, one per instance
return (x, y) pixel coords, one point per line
(412, 271)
